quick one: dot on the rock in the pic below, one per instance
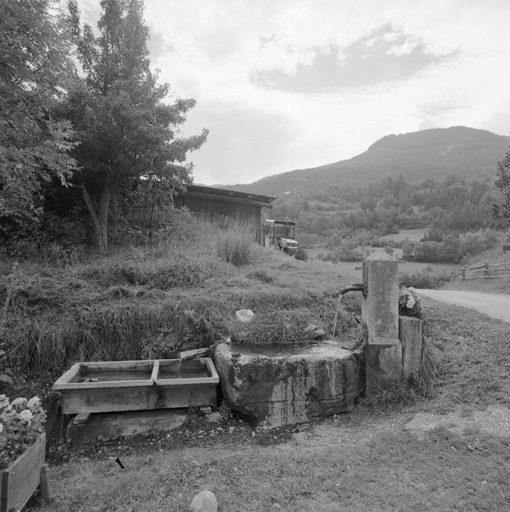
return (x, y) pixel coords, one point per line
(204, 501)
(288, 388)
(245, 316)
(318, 333)
(214, 417)
(300, 438)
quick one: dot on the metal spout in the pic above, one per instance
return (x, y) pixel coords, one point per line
(359, 287)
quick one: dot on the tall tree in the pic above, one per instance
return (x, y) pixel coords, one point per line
(34, 68)
(127, 132)
(500, 213)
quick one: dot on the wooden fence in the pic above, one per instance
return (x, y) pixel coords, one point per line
(486, 271)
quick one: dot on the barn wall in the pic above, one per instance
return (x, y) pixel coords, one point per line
(219, 211)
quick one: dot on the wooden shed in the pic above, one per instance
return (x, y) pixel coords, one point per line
(223, 207)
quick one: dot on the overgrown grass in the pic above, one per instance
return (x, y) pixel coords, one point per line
(236, 246)
(144, 302)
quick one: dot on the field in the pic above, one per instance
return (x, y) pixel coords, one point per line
(414, 235)
(352, 269)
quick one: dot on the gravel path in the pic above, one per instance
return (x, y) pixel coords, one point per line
(491, 304)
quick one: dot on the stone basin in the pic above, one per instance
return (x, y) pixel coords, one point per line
(277, 385)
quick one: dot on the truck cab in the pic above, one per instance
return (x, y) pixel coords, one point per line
(280, 235)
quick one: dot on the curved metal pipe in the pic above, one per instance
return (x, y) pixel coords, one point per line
(359, 287)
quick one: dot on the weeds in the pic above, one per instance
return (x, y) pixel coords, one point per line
(236, 246)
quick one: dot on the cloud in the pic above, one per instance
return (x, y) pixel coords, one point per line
(241, 143)
(297, 83)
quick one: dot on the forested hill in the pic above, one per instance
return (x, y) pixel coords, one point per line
(464, 152)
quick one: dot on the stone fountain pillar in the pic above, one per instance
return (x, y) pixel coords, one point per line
(380, 315)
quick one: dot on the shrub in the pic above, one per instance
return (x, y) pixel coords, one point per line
(236, 246)
(301, 254)
(424, 280)
(409, 303)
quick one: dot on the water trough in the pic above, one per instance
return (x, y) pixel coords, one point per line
(275, 385)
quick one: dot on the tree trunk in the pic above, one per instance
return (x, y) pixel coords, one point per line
(99, 217)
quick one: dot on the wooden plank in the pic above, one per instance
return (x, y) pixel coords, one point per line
(190, 354)
(112, 425)
(81, 418)
(176, 393)
(71, 379)
(155, 371)
(410, 334)
(45, 485)
(22, 478)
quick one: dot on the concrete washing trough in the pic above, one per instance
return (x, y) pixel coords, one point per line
(276, 385)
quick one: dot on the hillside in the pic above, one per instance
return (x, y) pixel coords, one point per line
(417, 156)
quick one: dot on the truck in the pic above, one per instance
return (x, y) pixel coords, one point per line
(280, 235)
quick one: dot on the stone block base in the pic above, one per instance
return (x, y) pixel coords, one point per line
(275, 389)
(383, 368)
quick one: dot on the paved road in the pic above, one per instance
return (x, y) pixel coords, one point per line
(492, 304)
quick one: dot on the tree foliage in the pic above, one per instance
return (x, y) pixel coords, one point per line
(34, 68)
(128, 134)
(501, 209)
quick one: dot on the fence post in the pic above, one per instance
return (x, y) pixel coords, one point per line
(411, 337)
(380, 314)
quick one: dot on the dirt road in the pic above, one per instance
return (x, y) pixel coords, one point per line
(491, 304)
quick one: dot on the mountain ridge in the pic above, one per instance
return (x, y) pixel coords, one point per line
(417, 156)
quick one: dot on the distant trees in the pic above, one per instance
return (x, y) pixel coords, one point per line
(34, 71)
(500, 212)
(128, 136)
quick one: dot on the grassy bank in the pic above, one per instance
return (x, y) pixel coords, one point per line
(117, 307)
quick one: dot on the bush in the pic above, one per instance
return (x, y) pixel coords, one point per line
(237, 247)
(409, 303)
(424, 279)
(301, 254)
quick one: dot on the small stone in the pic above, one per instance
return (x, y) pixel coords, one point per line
(231, 430)
(245, 315)
(214, 417)
(204, 501)
(318, 333)
(253, 434)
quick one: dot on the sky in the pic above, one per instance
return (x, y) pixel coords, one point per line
(293, 84)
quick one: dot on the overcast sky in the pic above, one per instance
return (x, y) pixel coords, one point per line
(287, 84)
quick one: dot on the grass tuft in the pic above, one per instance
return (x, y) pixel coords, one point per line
(236, 246)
